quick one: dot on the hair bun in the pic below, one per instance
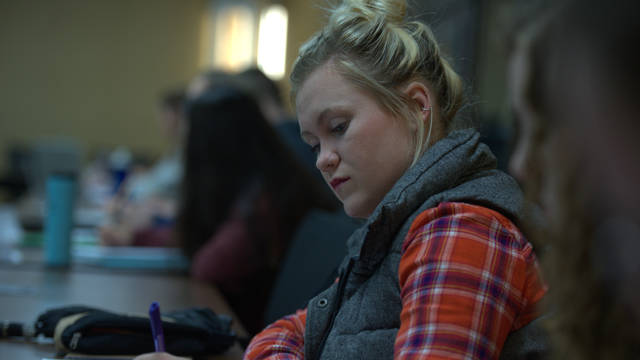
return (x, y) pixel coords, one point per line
(392, 11)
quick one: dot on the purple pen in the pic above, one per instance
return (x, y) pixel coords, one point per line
(156, 326)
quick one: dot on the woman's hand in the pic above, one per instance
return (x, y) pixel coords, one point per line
(158, 356)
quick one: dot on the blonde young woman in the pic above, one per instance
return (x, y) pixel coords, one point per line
(439, 269)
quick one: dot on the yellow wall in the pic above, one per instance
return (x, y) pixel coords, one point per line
(305, 18)
(93, 69)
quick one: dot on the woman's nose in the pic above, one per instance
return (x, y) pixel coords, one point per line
(327, 160)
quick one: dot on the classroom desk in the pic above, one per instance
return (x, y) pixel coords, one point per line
(25, 292)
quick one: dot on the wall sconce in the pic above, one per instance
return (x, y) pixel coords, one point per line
(233, 42)
(233, 46)
(272, 41)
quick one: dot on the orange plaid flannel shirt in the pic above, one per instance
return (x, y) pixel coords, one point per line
(467, 279)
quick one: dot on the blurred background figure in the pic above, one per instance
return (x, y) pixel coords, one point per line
(575, 80)
(208, 79)
(164, 177)
(267, 94)
(142, 210)
(243, 195)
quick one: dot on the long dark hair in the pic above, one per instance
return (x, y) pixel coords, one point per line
(233, 152)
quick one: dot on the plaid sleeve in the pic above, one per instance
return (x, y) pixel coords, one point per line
(282, 340)
(467, 277)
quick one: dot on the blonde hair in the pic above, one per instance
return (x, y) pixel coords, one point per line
(373, 46)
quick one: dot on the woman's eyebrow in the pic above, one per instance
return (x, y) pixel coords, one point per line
(323, 117)
(317, 121)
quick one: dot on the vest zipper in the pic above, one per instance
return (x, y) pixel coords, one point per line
(341, 284)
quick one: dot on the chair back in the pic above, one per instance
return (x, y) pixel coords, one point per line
(311, 262)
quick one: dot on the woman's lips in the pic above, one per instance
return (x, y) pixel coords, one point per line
(337, 182)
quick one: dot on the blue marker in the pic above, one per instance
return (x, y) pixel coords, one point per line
(156, 327)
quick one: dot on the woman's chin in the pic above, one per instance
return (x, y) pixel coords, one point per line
(355, 211)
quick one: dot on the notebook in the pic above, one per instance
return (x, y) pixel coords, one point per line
(87, 250)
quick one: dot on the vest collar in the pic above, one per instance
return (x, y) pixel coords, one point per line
(458, 167)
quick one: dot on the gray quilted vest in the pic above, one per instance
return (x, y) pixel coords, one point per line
(359, 317)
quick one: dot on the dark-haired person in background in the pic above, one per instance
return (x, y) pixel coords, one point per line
(243, 196)
(142, 211)
(267, 95)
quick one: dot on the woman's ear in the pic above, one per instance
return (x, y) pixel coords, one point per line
(421, 99)
(420, 94)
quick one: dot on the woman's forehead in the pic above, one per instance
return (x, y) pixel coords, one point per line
(323, 87)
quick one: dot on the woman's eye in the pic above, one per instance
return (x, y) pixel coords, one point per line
(340, 128)
(315, 149)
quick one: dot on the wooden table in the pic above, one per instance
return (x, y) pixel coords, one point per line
(27, 291)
